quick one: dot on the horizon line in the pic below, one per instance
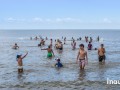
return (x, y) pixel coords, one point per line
(59, 29)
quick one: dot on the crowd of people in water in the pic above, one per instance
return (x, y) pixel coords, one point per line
(82, 57)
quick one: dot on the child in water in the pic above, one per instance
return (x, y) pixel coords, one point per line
(20, 62)
(58, 64)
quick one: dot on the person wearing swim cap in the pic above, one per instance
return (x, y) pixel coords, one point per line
(82, 58)
(20, 62)
(50, 52)
(58, 63)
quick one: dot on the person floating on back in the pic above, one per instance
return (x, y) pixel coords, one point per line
(101, 53)
(89, 46)
(58, 63)
(20, 62)
(50, 52)
(15, 46)
(82, 58)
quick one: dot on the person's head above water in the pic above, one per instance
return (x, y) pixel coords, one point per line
(15, 43)
(81, 46)
(58, 60)
(18, 56)
(49, 46)
(89, 42)
(102, 45)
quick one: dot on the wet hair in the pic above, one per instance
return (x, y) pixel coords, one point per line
(49, 46)
(57, 59)
(102, 45)
(89, 42)
(18, 56)
(81, 45)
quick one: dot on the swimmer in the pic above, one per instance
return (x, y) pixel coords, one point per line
(50, 52)
(65, 40)
(20, 63)
(101, 53)
(36, 38)
(15, 46)
(58, 63)
(80, 38)
(89, 46)
(91, 39)
(82, 57)
(51, 41)
(98, 38)
(42, 42)
(60, 46)
(73, 44)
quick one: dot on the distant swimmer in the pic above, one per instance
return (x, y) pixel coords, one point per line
(86, 39)
(58, 63)
(65, 40)
(73, 44)
(80, 38)
(36, 38)
(91, 39)
(15, 46)
(42, 42)
(20, 62)
(82, 58)
(98, 39)
(89, 46)
(50, 52)
(101, 53)
(51, 41)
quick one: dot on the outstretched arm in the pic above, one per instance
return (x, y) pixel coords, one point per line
(44, 49)
(25, 55)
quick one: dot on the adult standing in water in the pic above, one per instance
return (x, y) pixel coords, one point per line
(82, 57)
(50, 52)
(101, 53)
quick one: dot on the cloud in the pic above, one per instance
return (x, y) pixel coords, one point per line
(45, 20)
(37, 19)
(10, 19)
(106, 20)
(68, 19)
